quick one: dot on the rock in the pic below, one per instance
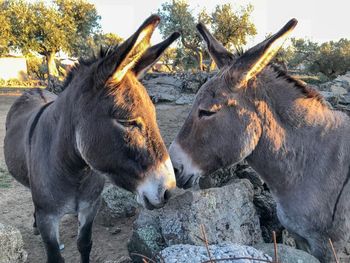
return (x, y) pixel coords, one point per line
(227, 213)
(266, 208)
(244, 171)
(199, 254)
(116, 203)
(344, 81)
(11, 245)
(185, 99)
(219, 178)
(146, 238)
(123, 259)
(165, 88)
(338, 90)
(287, 254)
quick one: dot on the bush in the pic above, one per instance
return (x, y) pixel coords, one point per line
(37, 69)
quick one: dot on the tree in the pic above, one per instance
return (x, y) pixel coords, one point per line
(230, 27)
(94, 43)
(332, 58)
(5, 32)
(177, 16)
(47, 28)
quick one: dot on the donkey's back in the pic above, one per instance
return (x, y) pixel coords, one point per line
(18, 121)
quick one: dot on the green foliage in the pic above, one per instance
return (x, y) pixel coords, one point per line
(229, 26)
(5, 32)
(177, 16)
(48, 27)
(36, 68)
(95, 42)
(330, 58)
(232, 28)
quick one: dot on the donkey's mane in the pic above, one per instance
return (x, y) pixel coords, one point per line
(85, 62)
(308, 91)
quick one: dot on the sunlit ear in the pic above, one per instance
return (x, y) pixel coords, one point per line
(258, 57)
(152, 55)
(218, 52)
(124, 57)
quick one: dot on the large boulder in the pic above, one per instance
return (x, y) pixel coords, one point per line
(199, 254)
(11, 245)
(116, 203)
(227, 214)
(287, 254)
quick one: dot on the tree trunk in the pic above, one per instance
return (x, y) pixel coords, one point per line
(200, 60)
(51, 65)
(54, 84)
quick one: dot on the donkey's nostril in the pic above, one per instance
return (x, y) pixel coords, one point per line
(167, 195)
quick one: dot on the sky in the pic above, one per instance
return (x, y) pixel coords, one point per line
(319, 20)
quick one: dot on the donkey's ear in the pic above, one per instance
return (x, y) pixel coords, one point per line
(258, 57)
(218, 52)
(125, 56)
(151, 56)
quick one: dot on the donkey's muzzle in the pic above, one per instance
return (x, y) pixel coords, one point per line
(186, 171)
(155, 189)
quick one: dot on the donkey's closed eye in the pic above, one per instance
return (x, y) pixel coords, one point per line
(137, 122)
(205, 113)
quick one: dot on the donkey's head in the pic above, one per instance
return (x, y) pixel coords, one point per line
(115, 129)
(223, 127)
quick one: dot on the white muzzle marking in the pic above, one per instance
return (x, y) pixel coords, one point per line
(155, 184)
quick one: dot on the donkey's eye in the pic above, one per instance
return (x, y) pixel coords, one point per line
(205, 113)
(131, 123)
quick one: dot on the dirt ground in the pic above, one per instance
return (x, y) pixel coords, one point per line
(16, 206)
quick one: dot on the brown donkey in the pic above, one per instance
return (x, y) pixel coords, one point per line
(286, 132)
(103, 123)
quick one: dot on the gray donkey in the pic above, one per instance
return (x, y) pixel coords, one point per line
(251, 110)
(103, 123)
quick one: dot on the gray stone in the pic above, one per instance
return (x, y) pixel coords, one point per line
(199, 254)
(146, 238)
(344, 80)
(11, 245)
(185, 99)
(116, 203)
(219, 178)
(287, 254)
(227, 213)
(164, 88)
(338, 90)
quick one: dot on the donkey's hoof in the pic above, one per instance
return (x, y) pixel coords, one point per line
(61, 247)
(36, 231)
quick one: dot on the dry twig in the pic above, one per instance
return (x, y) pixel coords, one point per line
(333, 250)
(275, 258)
(206, 242)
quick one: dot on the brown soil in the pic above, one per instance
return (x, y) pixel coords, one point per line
(17, 208)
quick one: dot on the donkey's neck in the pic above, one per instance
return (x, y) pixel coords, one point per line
(61, 121)
(298, 134)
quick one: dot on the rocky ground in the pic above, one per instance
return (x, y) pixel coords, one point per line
(232, 227)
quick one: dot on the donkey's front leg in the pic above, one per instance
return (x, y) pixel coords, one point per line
(86, 218)
(48, 226)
